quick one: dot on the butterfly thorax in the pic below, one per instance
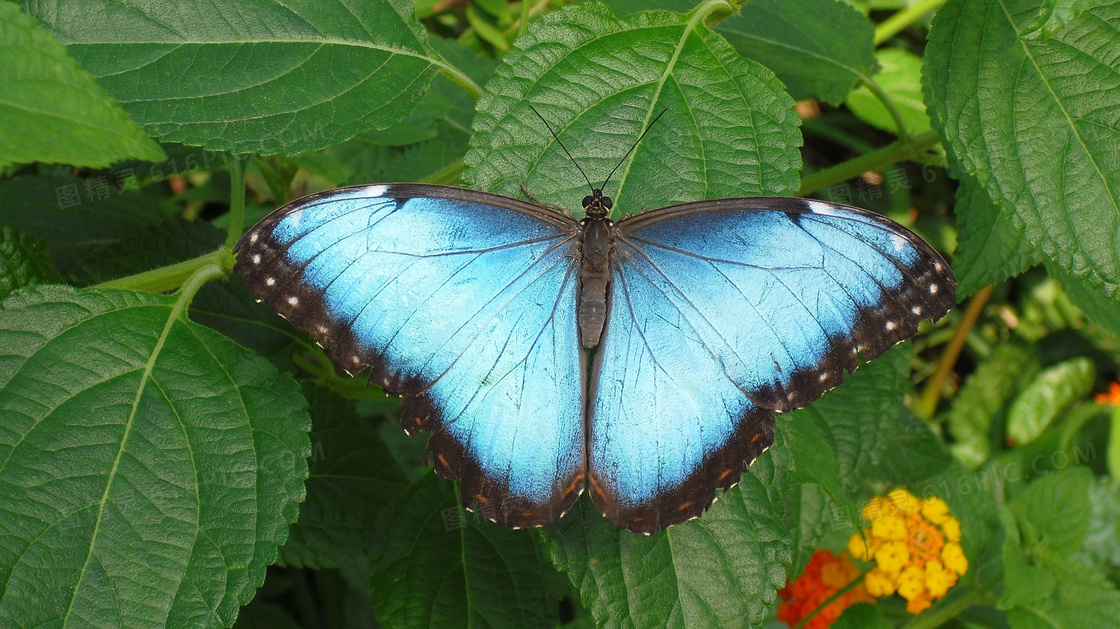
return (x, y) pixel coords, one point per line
(594, 270)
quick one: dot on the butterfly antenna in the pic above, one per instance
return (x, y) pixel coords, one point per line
(650, 126)
(557, 138)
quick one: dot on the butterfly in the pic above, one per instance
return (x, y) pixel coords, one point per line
(643, 360)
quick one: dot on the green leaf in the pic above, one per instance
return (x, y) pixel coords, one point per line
(901, 79)
(985, 397)
(1082, 598)
(23, 262)
(437, 565)
(819, 48)
(1023, 583)
(1035, 122)
(861, 616)
(1102, 541)
(729, 128)
(53, 111)
(914, 453)
(231, 309)
(1050, 394)
(71, 215)
(857, 418)
(721, 570)
(989, 248)
(352, 477)
(1055, 14)
(1053, 512)
(147, 248)
(145, 458)
(251, 78)
(1099, 309)
(810, 516)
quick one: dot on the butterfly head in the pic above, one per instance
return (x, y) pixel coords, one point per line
(596, 205)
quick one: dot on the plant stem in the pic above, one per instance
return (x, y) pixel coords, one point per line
(874, 160)
(194, 283)
(236, 201)
(891, 26)
(931, 394)
(168, 278)
(460, 78)
(896, 116)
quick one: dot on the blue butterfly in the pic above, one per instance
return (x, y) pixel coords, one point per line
(642, 359)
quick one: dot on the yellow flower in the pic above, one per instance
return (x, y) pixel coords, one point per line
(915, 545)
(936, 511)
(953, 556)
(939, 579)
(952, 529)
(906, 502)
(892, 557)
(889, 527)
(879, 583)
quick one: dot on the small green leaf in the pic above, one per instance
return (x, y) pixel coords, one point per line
(1053, 511)
(437, 564)
(72, 215)
(1082, 598)
(985, 397)
(989, 248)
(352, 477)
(861, 616)
(901, 79)
(161, 465)
(721, 570)
(261, 77)
(23, 262)
(1023, 583)
(1034, 120)
(51, 110)
(1050, 394)
(819, 48)
(729, 128)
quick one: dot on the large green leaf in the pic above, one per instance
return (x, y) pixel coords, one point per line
(721, 570)
(71, 217)
(1036, 121)
(819, 48)
(438, 566)
(352, 477)
(989, 248)
(53, 111)
(264, 76)
(23, 262)
(150, 466)
(729, 128)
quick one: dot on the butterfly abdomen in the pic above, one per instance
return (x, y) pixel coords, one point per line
(594, 279)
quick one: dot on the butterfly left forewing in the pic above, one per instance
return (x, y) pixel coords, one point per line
(461, 301)
(725, 311)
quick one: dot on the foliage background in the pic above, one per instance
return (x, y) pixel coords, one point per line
(170, 451)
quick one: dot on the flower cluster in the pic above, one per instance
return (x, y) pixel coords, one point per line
(915, 545)
(825, 575)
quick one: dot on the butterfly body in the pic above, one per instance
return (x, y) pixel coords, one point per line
(706, 318)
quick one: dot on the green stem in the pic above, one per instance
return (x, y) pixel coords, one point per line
(236, 200)
(460, 78)
(874, 160)
(891, 26)
(714, 11)
(896, 116)
(194, 283)
(524, 21)
(931, 395)
(168, 278)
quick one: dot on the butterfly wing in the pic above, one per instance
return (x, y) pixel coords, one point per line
(722, 312)
(461, 301)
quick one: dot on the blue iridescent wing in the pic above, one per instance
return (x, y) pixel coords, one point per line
(461, 301)
(723, 312)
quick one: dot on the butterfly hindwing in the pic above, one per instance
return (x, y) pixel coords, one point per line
(463, 302)
(722, 312)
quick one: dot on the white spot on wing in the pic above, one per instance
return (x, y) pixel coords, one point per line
(891, 325)
(293, 300)
(916, 310)
(820, 207)
(933, 289)
(256, 258)
(899, 242)
(253, 237)
(376, 191)
(270, 281)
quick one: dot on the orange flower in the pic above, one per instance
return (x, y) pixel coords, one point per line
(1112, 397)
(825, 575)
(915, 545)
